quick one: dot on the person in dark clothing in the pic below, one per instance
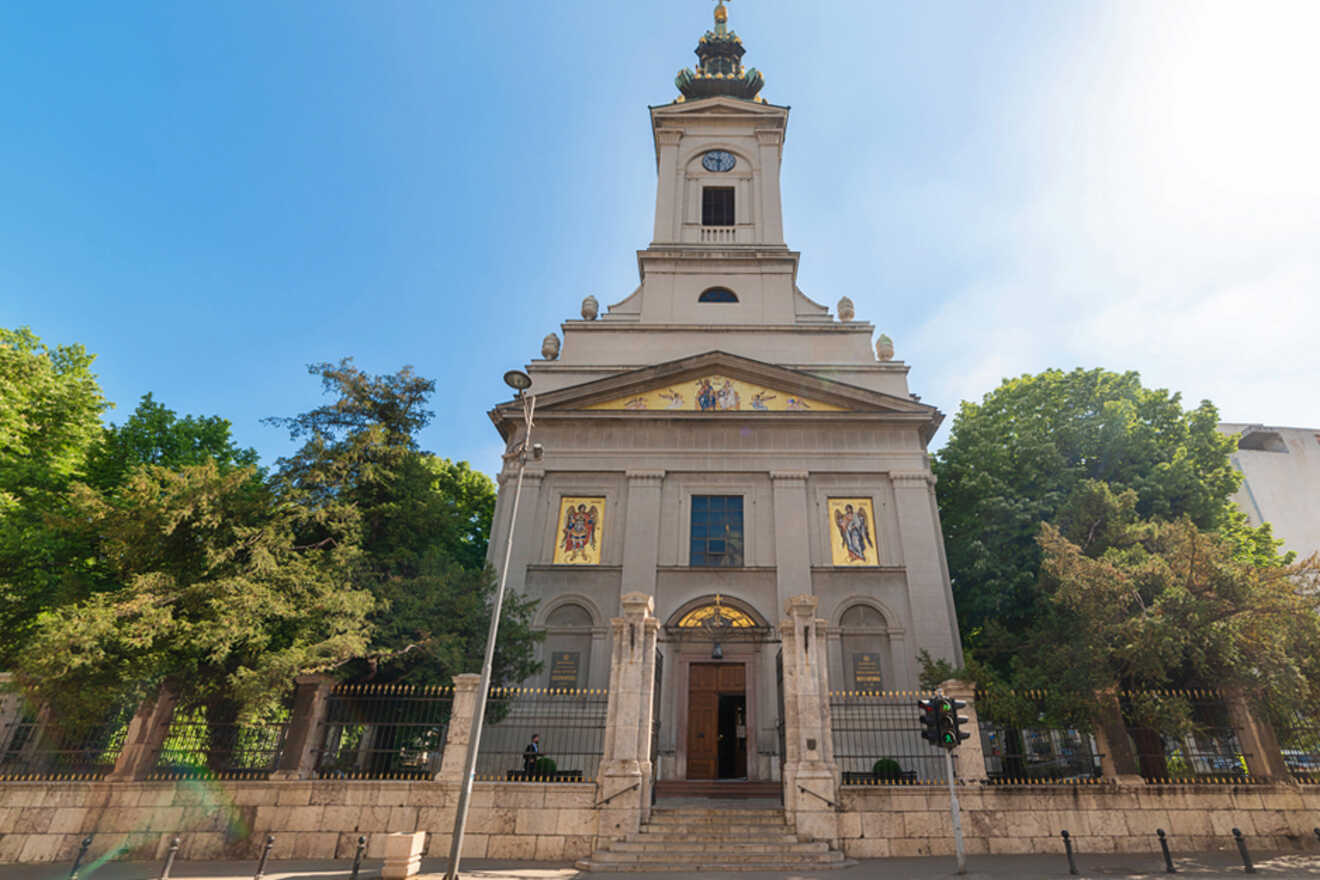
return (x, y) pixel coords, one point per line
(531, 754)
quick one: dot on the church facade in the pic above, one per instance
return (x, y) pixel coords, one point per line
(719, 441)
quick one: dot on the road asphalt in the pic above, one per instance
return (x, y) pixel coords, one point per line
(978, 868)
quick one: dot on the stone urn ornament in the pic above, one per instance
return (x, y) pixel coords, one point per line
(590, 308)
(550, 347)
(846, 310)
(884, 348)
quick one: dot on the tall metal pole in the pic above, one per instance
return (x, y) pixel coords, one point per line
(470, 770)
(957, 816)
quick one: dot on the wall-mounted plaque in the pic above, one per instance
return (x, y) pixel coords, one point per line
(851, 528)
(581, 531)
(564, 669)
(866, 672)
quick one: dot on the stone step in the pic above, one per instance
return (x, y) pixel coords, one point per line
(704, 867)
(610, 858)
(768, 818)
(705, 846)
(734, 835)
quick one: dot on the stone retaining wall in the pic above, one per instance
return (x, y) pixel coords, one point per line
(46, 821)
(897, 821)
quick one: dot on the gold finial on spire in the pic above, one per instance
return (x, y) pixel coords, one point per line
(721, 14)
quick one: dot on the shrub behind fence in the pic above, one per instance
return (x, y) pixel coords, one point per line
(877, 739)
(571, 725)
(384, 731)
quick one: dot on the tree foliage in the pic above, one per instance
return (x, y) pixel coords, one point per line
(425, 524)
(1016, 460)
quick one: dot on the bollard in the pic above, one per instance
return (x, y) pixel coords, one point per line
(169, 859)
(82, 851)
(357, 859)
(1317, 833)
(265, 854)
(1168, 859)
(1247, 866)
(1067, 845)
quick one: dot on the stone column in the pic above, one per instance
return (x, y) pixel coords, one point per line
(459, 735)
(311, 699)
(641, 533)
(929, 593)
(808, 734)
(1118, 760)
(626, 763)
(667, 194)
(792, 544)
(1260, 745)
(772, 212)
(969, 758)
(146, 735)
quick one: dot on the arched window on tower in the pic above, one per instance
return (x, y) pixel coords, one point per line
(864, 637)
(718, 295)
(568, 632)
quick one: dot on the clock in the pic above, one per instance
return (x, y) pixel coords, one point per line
(718, 160)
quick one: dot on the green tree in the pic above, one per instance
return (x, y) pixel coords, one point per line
(155, 435)
(208, 591)
(425, 524)
(1017, 459)
(50, 420)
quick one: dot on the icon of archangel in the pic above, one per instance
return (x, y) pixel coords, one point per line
(855, 542)
(579, 532)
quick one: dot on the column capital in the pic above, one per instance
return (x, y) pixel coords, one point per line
(468, 681)
(668, 137)
(769, 137)
(911, 479)
(802, 606)
(637, 605)
(529, 477)
(788, 476)
(645, 478)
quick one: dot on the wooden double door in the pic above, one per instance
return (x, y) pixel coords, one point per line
(717, 721)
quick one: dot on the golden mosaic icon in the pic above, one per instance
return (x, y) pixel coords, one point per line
(581, 531)
(851, 528)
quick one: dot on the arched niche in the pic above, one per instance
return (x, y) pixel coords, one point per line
(570, 626)
(865, 645)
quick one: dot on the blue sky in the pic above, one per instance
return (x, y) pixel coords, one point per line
(212, 196)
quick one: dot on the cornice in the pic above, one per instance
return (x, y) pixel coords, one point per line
(913, 478)
(644, 478)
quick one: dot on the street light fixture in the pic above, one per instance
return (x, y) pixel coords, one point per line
(519, 382)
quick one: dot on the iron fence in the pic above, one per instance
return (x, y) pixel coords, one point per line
(571, 729)
(195, 748)
(1184, 736)
(1023, 745)
(37, 748)
(1299, 741)
(384, 731)
(877, 739)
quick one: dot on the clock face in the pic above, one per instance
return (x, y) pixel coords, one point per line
(718, 160)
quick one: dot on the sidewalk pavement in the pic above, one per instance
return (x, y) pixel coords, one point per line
(1096, 867)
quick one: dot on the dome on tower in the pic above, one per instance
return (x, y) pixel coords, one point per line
(720, 71)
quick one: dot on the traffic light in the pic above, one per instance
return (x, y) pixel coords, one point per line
(940, 722)
(930, 721)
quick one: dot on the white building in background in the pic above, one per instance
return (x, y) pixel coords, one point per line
(1281, 481)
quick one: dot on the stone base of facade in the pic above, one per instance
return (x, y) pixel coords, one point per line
(895, 822)
(46, 821)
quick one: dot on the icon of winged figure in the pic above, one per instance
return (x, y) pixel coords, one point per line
(579, 531)
(854, 531)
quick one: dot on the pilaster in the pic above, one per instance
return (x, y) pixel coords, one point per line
(667, 222)
(459, 735)
(934, 620)
(311, 698)
(811, 777)
(625, 767)
(527, 543)
(792, 544)
(641, 543)
(772, 214)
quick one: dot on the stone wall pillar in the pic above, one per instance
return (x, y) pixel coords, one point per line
(1118, 760)
(146, 735)
(459, 735)
(302, 742)
(934, 624)
(11, 710)
(626, 763)
(969, 758)
(669, 181)
(808, 732)
(1260, 745)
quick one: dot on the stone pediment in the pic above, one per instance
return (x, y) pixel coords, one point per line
(721, 385)
(722, 105)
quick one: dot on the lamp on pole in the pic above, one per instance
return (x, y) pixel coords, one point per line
(519, 382)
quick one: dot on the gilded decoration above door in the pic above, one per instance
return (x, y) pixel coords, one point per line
(717, 394)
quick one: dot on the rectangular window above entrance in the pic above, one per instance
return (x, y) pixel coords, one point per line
(717, 206)
(717, 531)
